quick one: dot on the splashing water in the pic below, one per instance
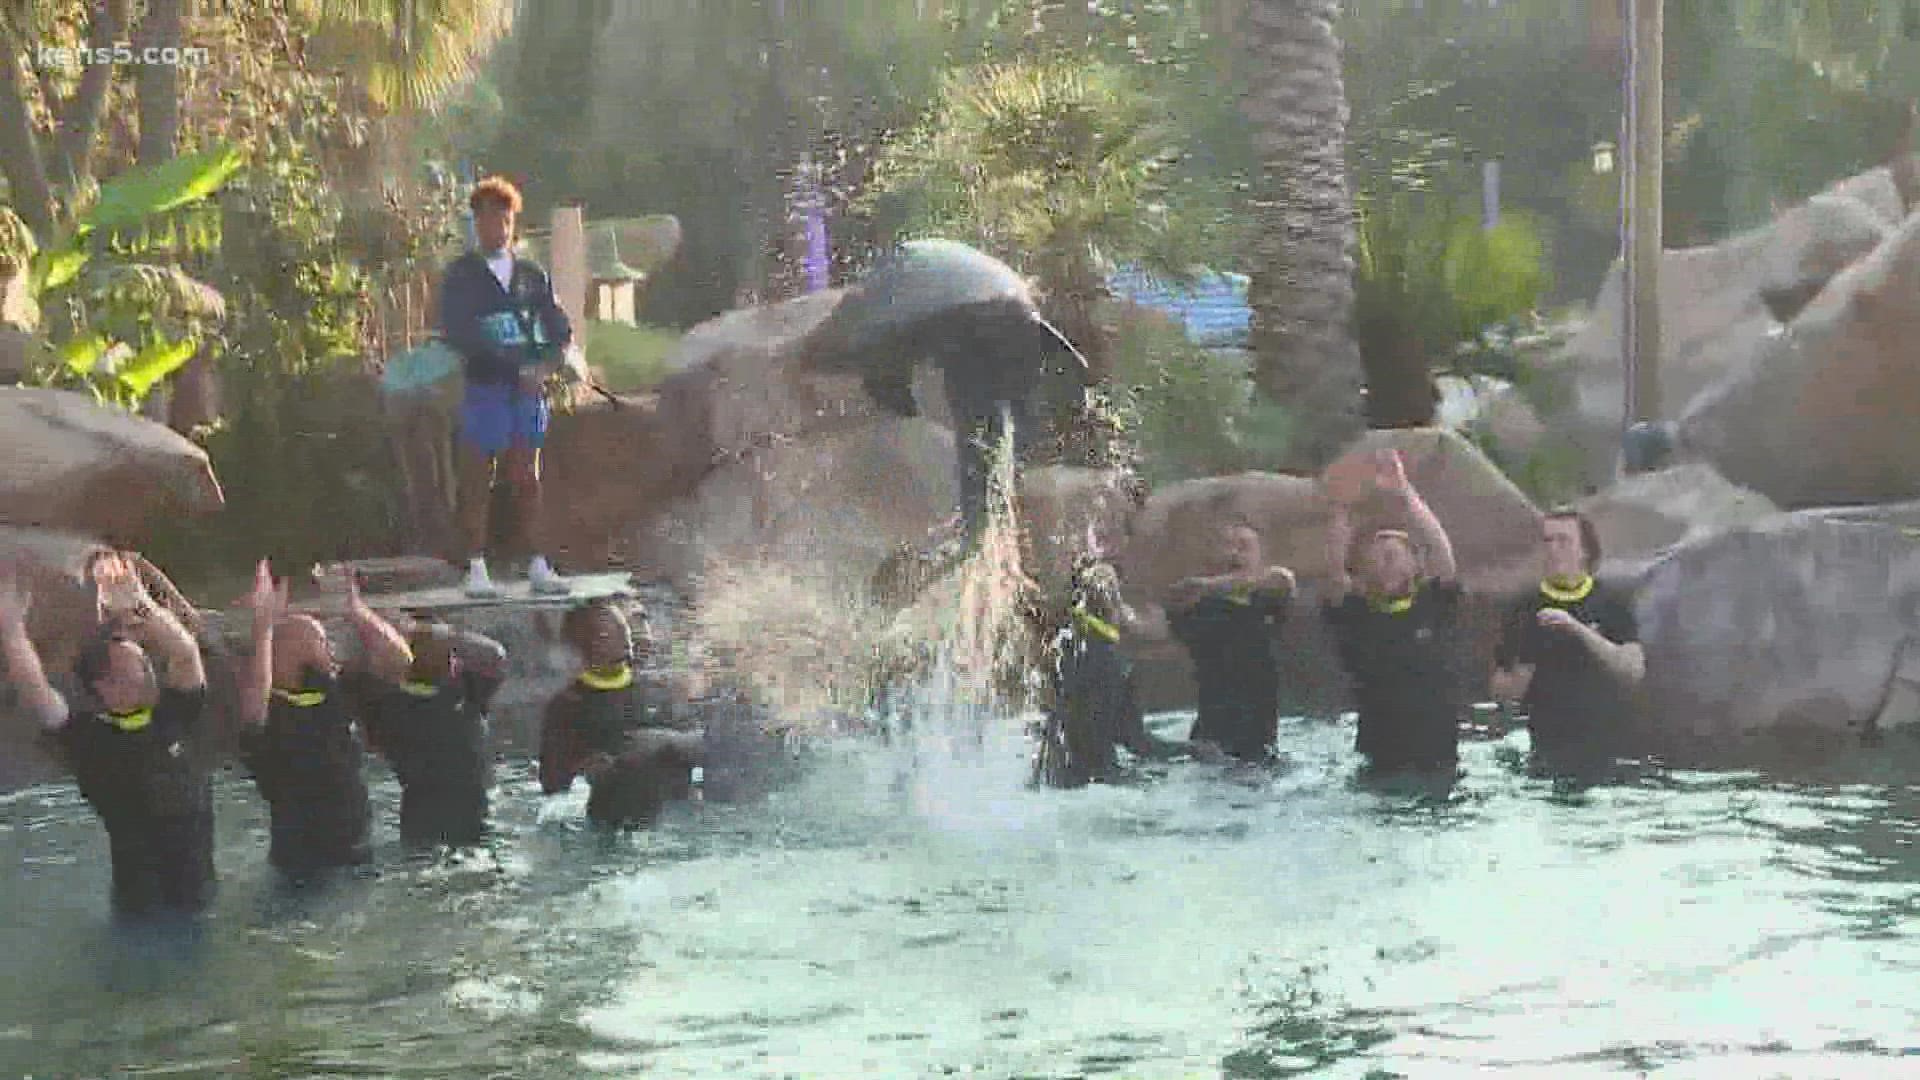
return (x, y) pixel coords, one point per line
(952, 672)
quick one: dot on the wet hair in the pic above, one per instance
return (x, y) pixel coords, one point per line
(497, 191)
(1589, 533)
(432, 648)
(576, 626)
(95, 660)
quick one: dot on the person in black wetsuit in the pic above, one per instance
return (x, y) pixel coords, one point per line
(1570, 654)
(432, 728)
(306, 753)
(131, 736)
(1095, 706)
(1396, 631)
(616, 726)
(1230, 622)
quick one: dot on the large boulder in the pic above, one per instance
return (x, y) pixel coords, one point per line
(76, 466)
(1795, 625)
(1824, 414)
(1714, 311)
(1493, 526)
(1643, 517)
(834, 505)
(1063, 507)
(611, 468)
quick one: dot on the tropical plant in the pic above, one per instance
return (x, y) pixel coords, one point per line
(115, 325)
(1429, 279)
(1305, 356)
(1059, 167)
(406, 56)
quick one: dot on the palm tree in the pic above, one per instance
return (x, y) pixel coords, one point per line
(1305, 356)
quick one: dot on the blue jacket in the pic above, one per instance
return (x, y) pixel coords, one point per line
(498, 331)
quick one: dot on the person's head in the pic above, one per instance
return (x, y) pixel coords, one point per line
(117, 672)
(599, 631)
(1388, 564)
(1571, 544)
(496, 205)
(300, 648)
(433, 656)
(1239, 549)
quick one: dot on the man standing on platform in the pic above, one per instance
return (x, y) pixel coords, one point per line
(498, 311)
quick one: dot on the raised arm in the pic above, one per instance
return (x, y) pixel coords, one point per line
(23, 667)
(1339, 546)
(267, 603)
(1422, 525)
(382, 646)
(124, 601)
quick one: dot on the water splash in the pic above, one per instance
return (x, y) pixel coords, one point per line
(950, 673)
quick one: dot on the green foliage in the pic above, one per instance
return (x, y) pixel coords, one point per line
(1430, 274)
(1191, 411)
(629, 358)
(1050, 164)
(303, 452)
(118, 327)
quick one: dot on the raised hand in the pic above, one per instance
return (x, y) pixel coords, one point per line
(1390, 472)
(15, 599)
(267, 599)
(119, 592)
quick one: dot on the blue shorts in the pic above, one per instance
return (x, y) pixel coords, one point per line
(493, 418)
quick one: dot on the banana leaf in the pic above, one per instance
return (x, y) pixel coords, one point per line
(133, 196)
(154, 363)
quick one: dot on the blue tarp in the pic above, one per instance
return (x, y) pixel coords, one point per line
(1212, 307)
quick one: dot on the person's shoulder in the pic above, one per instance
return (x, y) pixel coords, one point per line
(1444, 590)
(181, 699)
(464, 263)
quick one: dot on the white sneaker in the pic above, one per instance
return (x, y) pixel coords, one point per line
(543, 581)
(479, 584)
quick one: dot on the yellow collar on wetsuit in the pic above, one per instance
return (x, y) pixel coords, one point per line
(1093, 624)
(305, 699)
(1567, 590)
(131, 720)
(608, 678)
(1392, 605)
(420, 688)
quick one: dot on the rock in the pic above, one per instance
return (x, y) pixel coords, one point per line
(1062, 506)
(1823, 416)
(832, 506)
(1643, 517)
(1493, 526)
(609, 470)
(81, 467)
(17, 348)
(1714, 317)
(1796, 624)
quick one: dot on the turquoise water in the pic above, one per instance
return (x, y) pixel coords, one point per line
(934, 918)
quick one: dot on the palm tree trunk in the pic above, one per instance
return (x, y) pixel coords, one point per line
(1305, 357)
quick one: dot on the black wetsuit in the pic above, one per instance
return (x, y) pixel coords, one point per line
(1095, 708)
(154, 795)
(307, 759)
(439, 742)
(1405, 675)
(1576, 711)
(582, 722)
(1231, 638)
